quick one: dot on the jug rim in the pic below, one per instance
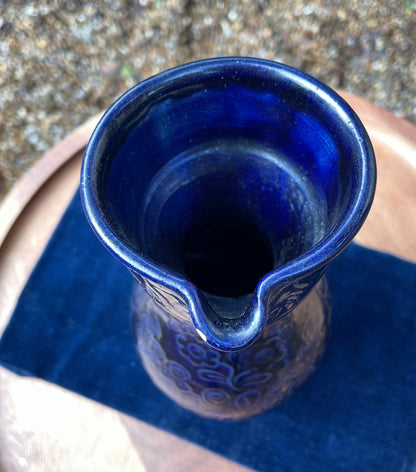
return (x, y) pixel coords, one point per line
(313, 260)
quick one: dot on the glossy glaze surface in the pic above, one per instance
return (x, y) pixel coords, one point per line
(227, 186)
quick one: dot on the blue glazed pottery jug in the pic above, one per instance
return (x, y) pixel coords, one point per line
(226, 187)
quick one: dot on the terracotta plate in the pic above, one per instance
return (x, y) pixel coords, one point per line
(45, 428)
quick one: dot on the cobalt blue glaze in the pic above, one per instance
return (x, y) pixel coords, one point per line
(227, 186)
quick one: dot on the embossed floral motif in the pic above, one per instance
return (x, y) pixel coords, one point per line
(286, 300)
(248, 400)
(265, 356)
(181, 327)
(231, 384)
(150, 325)
(215, 396)
(179, 375)
(197, 353)
(165, 297)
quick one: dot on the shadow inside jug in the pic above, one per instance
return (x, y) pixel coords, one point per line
(226, 214)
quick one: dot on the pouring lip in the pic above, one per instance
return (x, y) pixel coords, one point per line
(317, 258)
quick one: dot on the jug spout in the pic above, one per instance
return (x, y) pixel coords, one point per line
(227, 325)
(233, 324)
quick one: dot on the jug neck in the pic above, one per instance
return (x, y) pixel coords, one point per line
(231, 323)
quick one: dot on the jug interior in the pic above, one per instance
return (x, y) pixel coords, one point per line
(223, 181)
(228, 213)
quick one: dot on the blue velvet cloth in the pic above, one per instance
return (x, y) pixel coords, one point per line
(356, 412)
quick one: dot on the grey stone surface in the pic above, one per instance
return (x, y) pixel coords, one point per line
(63, 61)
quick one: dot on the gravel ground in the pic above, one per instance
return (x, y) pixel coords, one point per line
(62, 62)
